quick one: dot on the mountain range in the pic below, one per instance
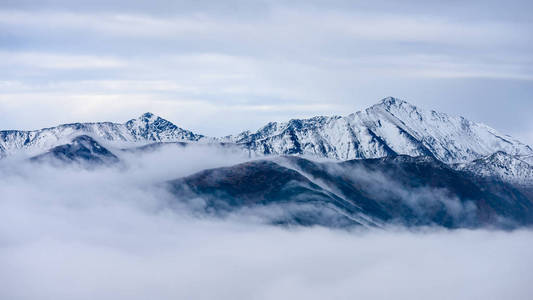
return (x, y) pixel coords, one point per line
(392, 163)
(399, 190)
(391, 127)
(144, 129)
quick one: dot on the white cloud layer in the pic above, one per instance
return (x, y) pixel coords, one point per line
(110, 234)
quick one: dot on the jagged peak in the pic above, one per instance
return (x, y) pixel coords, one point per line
(148, 116)
(403, 109)
(392, 102)
(389, 101)
(149, 126)
(148, 119)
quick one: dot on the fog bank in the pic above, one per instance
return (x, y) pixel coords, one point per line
(68, 233)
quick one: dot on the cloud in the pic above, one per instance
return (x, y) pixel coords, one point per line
(268, 59)
(305, 24)
(110, 234)
(56, 61)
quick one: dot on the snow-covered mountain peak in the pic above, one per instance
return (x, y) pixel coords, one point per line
(390, 127)
(151, 127)
(394, 106)
(392, 101)
(147, 115)
(401, 108)
(147, 119)
(146, 128)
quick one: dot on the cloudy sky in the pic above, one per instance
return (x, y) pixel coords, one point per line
(219, 67)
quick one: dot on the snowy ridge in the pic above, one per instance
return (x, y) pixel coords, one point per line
(390, 127)
(450, 138)
(144, 129)
(502, 166)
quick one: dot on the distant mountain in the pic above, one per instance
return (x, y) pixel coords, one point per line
(147, 128)
(391, 127)
(82, 149)
(395, 164)
(402, 190)
(261, 183)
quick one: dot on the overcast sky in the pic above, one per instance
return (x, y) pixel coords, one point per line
(219, 67)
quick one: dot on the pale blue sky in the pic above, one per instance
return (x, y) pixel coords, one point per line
(219, 67)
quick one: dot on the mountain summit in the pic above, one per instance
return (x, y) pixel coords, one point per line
(144, 129)
(149, 127)
(390, 127)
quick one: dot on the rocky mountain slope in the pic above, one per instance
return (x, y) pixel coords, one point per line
(402, 190)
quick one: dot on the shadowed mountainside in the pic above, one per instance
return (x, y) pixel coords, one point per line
(412, 191)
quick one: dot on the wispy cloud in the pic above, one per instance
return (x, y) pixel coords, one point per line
(340, 56)
(279, 24)
(34, 60)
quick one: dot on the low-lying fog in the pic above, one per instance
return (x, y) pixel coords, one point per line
(111, 233)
